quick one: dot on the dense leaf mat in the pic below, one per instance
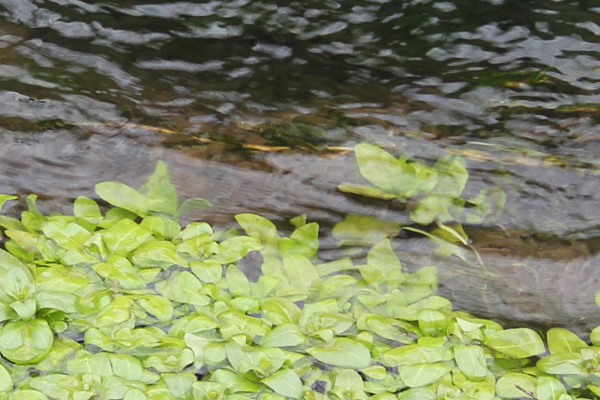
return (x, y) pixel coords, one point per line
(129, 305)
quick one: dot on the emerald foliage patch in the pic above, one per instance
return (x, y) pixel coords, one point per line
(128, 304)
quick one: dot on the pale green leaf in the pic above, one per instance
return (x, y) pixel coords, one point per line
(26, 342)
(286, 383)
(342, 352)
(123, 196)
(124, 236)
(471, 361)
(517, 342)
(511, 385)
(561, 340)
(416, 375)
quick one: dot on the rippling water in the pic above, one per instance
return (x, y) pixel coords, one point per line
(98, 90)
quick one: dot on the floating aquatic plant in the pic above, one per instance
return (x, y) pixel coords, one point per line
(128, 304)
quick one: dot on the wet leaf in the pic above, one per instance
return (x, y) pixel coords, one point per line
(124, 236)
(191, 206)
(180, 385)
(364, 230)
(236, 248)
(258, 227)
(286, 383)
(6, 382)
(237, 282)
(155, 253)
(471, 361)
(123, 196)
(280, 310)
(25, 342)
(208, 271)
(508, 385)
(416, 375)
(342, 352)
(518, 342)
(549, 388)
(561, 340)
(159, 192)
(286, 335)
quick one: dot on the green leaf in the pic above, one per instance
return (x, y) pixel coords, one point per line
(258, 227)
(561, 340)
(124, 236)
(417, 375)
(120, 270)
(452, 176)
(382, 169)
(286, 335)
(191, 206)
(6, 382)
(237, 282)
(382, 265)
(286, 383)
(183, 287)
(510, 385)
(208, 271)
(364, 190)
(154, 254)
(342, 352)
(518, 342)
(126, 366)
(279, 310)
(300, 272)
(562, 364)
(180, 385)
(6, 197)
(161, 227)
(123, 196)
(471, 361)
(415, 354)
(549, 388)
(55, 300)
(18, 284)
(236, 248)
(364, 230)
(26, 342)
(160, 194)
(158, 306)
(303, 241)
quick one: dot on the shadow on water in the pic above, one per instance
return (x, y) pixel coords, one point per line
(96, 91)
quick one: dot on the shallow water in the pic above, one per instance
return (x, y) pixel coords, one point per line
(93, 91)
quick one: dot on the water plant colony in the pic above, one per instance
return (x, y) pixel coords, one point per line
(128, 304)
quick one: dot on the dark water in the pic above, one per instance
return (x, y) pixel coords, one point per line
(99, 90)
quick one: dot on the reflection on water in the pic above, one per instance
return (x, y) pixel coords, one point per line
(513, 86)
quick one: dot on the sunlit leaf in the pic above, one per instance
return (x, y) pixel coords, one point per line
(25, 342)
(180, 385)
(286, 383)
(160, 194)
(512, 385)
(237, 282)
(416, 375)
(518, 342)
(561, 340)
(286, 335)
(123, 196)
(124, 236)
(471, 361)
(280, 310)
(342, 352)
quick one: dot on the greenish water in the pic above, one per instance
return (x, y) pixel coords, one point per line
(513, 86)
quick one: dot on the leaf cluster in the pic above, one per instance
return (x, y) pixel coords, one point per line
(436, 191)
(128, 304)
